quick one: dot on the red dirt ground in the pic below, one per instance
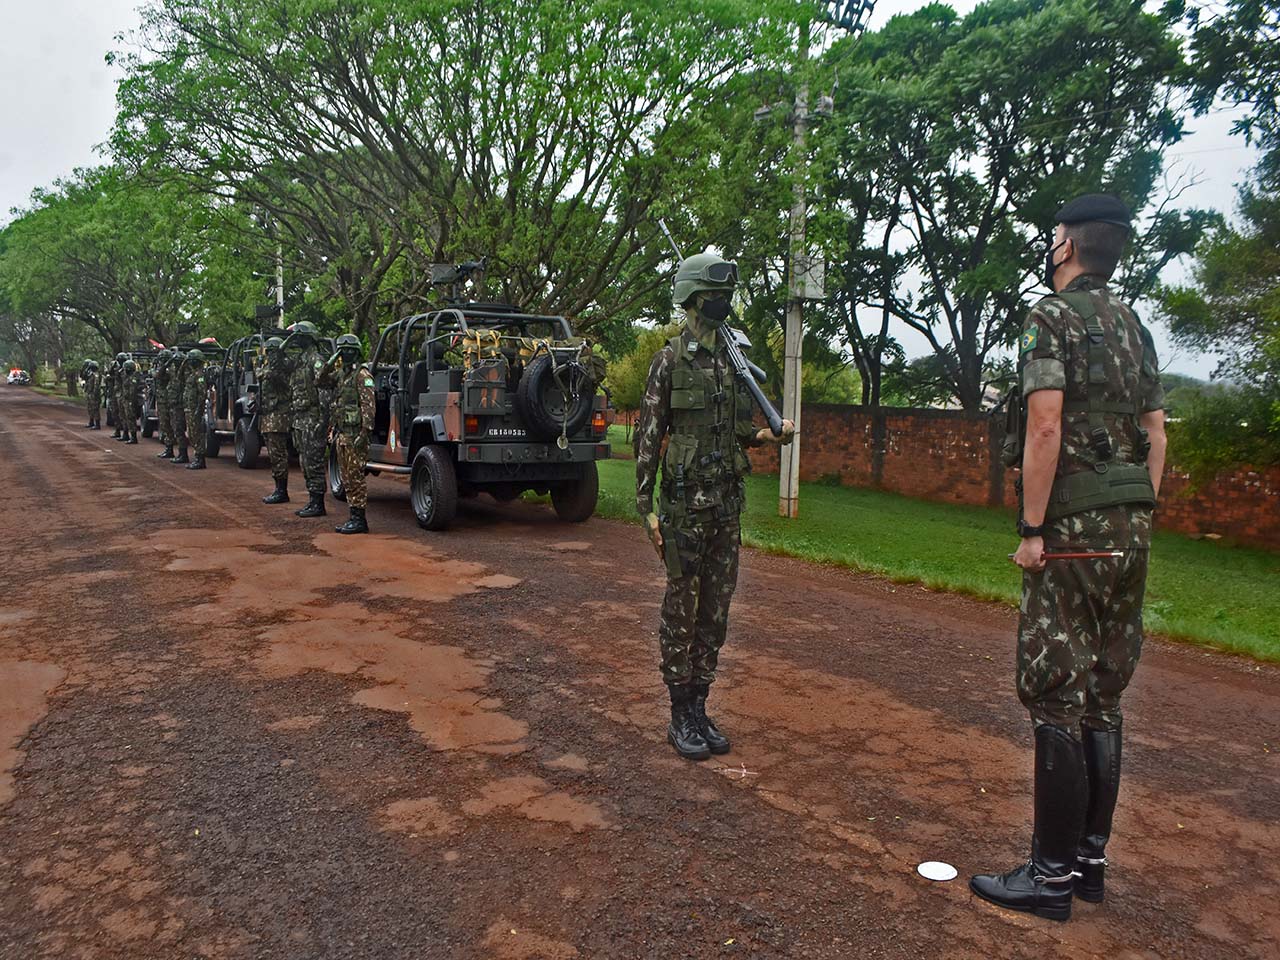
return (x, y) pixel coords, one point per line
(227, 732)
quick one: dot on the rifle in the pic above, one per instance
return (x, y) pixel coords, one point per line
(746, 371)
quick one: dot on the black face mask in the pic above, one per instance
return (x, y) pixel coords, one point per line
(1050, 268)
(715, 309)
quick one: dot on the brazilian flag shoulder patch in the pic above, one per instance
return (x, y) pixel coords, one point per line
(1030, 337)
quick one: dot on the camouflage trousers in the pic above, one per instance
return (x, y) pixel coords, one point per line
(178, 425)
(194, 418)
(309, 439)
(113, 412)
(353, 454)
(92, 405)
(128, 416)
(702, 573)
(1079, 639)
(278, 454)
(162, 420)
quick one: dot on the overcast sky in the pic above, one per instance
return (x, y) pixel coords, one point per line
(58, 103)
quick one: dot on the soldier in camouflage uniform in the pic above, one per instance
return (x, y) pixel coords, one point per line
(130, 399)
(307, 415)
(353, 412)
(195, 396)
(694, 404)
(1091, 461)
(273, 415)
(111, 385)
(160, 375)
(92, 393)
(177, 414)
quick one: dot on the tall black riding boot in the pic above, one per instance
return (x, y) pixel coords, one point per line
(314, 507)
(1102, 760)
(682, 732)
(281, 492)
(197, 463)
(166, 453)
(356, 524)
(717, 742)
(1043, 885)
(182, 456)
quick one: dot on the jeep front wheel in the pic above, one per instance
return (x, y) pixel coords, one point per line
(248, 445)
(575, 500)
(433, 488)
(336, 487)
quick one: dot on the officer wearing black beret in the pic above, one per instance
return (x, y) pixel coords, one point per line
(1089, 439)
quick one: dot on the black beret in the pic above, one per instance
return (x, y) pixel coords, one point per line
(1095, 207)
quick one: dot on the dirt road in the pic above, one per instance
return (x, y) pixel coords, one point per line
(227, 732)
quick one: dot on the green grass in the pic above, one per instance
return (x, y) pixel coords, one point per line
(1205, 592)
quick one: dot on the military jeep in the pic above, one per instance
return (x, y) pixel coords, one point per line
(484, 398)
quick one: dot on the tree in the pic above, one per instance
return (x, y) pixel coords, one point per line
(388, 135)
(957, 138)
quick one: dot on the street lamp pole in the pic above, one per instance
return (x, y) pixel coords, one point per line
(793, 343)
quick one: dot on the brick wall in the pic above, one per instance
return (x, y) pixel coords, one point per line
(946, 455)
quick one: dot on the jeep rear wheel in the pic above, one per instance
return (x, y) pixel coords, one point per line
(433, 488)
(335, 475)
(575, 500)
(545, 407)
(248, 445)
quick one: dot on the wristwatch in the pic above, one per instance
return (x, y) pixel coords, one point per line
(1027, 530)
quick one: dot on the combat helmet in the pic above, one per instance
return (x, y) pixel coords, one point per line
(273, 344)
(91, 365)
(348, 347)
(121, 357)
(304, 328)
(129, 365)
(195, 356)
(702, 272)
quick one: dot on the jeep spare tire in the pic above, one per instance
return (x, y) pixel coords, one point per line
(544, 406)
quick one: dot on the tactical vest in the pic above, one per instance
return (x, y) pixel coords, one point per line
(304, 396)
(346, 402)
(273, 388)
(710, 411)
(1111, 482)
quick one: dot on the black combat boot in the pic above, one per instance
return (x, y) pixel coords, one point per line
(197, 463)
(356, 524)
(133, 438)
(90, 425)
(1044, 884)
(116, 434)
(280, 494)
(314, 507)
(717, 742)
(182, 456)
(166, 453)
(97, 425)
(1102, 760)
(123, 436)
(682, 732)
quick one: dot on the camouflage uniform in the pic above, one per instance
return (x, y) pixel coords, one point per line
(1080, 629)
(93, 395)
(177, 414)
(693, 401)
(353, 413)
(273, 413)
(160, 392)
(194, 400)
(308, 419)
(110, 386)
(130, 399)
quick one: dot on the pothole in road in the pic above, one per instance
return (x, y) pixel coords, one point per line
(24, 699)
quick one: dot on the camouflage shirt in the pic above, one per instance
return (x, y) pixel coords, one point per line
(354, 404)
(654, 426)
(1053, 355)
(304, 398)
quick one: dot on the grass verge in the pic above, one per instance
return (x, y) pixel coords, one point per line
(1209, 593)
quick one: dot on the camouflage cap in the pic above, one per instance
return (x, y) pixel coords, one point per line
(1095, 208)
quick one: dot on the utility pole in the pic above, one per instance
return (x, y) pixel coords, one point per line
(793, 343)
(279, 285)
